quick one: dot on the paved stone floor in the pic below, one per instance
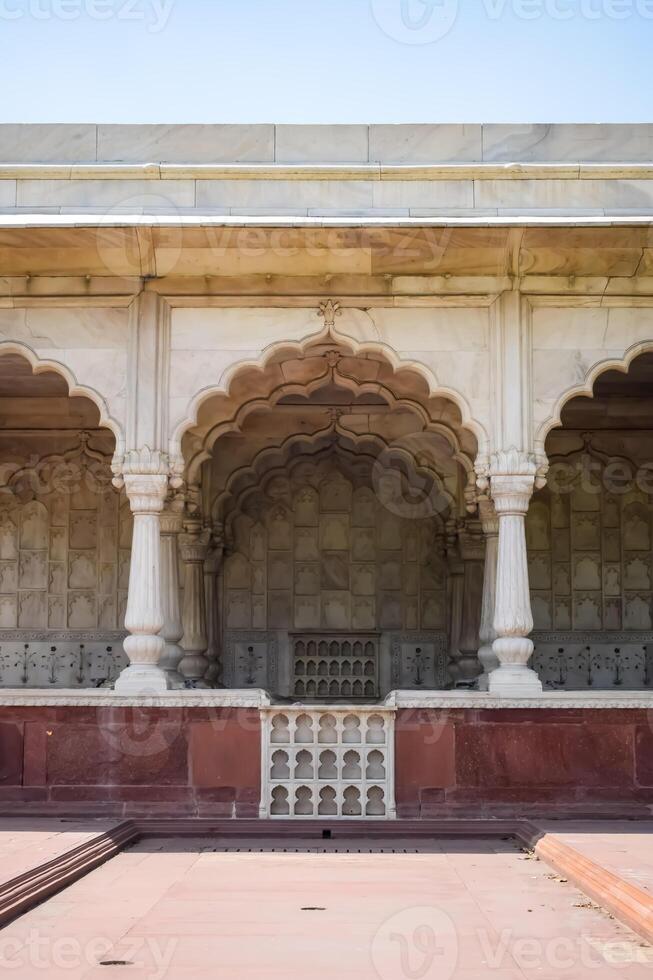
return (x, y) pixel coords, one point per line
(454, 909)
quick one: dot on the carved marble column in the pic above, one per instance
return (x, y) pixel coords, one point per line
(512, 480)
(486, 655)
(212, 567)
(470, 544)
(172, 632)
(455, 595)
(194, 544)
(144, 617)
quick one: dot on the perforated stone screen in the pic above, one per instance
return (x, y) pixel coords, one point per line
(329, 762)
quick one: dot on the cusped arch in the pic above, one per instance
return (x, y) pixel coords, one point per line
(297, 348)
(41, 365)
(203, 451)
(276, 461)
(586, 388)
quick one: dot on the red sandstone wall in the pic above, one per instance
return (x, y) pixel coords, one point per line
(516, 760)
(132, 760)
(196, 761)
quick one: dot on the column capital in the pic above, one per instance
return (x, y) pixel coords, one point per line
(509, 476)
(172, 515)
(194, 542)
(146, 492)
(145, 462)
(488, 516)
(511, 462)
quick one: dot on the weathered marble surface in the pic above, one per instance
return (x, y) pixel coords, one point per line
(426, 143)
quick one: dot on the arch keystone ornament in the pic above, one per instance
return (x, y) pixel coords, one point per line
(144, 475)
(512, 476)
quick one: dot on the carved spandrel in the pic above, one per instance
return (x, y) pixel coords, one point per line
(82, 570)
(32, 609)
(335, 570)
(8, 611)
(307, 612)
(82, 610)
(541, 607)
(34, 525)
(8, 534)
(306, 544)
(306, 507)
(237, 572)
(363, 544)
(307, 579)
(336, 610)
(8, 577)
(83, 529)
(33, 570)
(334, 532)
(58, 544)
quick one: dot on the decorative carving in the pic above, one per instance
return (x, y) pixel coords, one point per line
(329, 310)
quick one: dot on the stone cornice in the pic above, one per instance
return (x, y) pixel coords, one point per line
(554, 699)
(257, 698)
(102, 698)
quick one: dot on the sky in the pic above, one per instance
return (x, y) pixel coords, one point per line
(323, 61)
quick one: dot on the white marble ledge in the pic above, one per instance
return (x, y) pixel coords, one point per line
(104, 698)
(102, 221)
(260, 143)
(549, 699)
(258, 698)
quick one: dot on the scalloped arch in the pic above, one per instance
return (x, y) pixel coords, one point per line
(235, 423)
(40, 365)
(275, 460)
(586, 388)
(299, 347)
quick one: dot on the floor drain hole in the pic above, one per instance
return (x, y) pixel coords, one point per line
(313, 908)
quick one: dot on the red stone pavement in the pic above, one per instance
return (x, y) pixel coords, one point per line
(624, 847)
(26, 842)
(393, 910)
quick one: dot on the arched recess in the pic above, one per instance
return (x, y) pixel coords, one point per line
(40, 365)
(338, 481)
(590, 532)
(330, 338)
(65, 533)
(586, 387)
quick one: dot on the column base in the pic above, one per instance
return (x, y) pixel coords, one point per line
(175, 681)
(141, 679)
(514, 681)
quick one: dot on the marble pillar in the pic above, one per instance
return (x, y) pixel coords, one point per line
(194, 545)
(487, 635)
(172, 632)
(212, 567)
(471, 547)
(512, 480)
(456, 584)
(144, 617)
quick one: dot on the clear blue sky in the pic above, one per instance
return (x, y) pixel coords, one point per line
(326, 60)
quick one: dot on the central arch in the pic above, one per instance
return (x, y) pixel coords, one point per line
(338, 482)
